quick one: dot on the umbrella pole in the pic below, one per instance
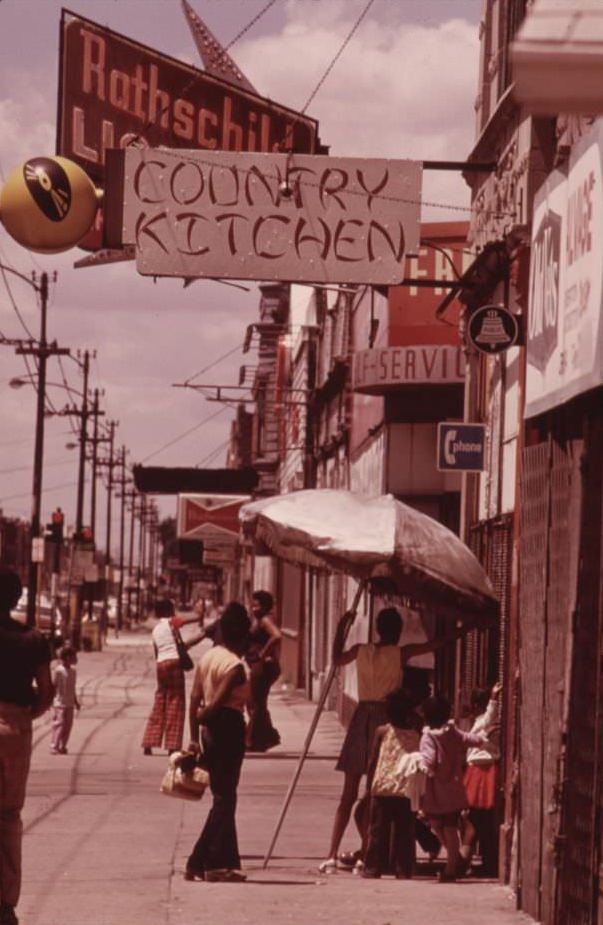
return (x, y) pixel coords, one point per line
(310, 735)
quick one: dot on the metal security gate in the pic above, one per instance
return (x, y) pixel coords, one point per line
(579, 838)
(564, 533)
(485, 651)
(554, 572)
(535, 514)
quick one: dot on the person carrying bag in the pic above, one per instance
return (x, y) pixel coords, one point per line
(185, 777)
(166, 722)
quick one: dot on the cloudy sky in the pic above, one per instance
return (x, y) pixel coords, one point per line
(404, 87)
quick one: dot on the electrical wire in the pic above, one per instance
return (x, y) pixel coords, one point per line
(211, 456)
(13, 302)
(215, 362)
(184, 434)
(251, 23)
(56, 462)
(336, 58)
(27, 494)
(303, 182)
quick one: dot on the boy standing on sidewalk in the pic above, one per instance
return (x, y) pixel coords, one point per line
(65, 701)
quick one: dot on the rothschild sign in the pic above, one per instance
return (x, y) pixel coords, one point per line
(270, 216)
(114, 91)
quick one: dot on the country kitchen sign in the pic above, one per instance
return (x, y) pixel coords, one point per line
(564, 332)
(298, 217)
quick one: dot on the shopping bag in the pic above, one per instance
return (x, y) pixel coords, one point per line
(186, 662)
(184, 777)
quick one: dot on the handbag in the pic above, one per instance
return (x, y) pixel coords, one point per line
(184, 777)
(186, 662)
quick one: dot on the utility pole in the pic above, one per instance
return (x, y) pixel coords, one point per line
(141, 554)
(79, 510)
(122, 533)
(95, 442)
(111, 462)
(132, 495)
(42, 350)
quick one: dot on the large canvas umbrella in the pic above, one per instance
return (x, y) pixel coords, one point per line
(370, 538)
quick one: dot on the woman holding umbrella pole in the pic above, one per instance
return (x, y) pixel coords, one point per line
(380, 668)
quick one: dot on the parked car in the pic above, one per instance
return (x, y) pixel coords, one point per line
(44, 615)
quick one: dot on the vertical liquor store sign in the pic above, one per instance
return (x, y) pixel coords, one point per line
(564, 331)
(114, 91)
(305, 218)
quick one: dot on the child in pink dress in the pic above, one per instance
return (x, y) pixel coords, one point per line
(443, 748)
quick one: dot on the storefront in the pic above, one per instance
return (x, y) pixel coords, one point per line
(561, 616)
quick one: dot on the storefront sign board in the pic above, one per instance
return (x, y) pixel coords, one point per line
(214, 519)
(377, 370)
(114, 91)
(564, 329)
(461, 447)
(301, 218)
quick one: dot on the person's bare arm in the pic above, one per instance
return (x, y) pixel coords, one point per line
(234, 678)
(432, 645)
(189, 643)
(194, 706)
(339, 656)
(44, 690)
(274, 637)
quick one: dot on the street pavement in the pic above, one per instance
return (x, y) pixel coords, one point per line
(103, 846)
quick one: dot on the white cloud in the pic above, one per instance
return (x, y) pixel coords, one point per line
(401, 88)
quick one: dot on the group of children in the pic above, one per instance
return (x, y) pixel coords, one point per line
(444, 773)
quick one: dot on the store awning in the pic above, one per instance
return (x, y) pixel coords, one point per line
(159, 480)
(558, 57)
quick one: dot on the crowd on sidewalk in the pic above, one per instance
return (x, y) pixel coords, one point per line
(426, 779)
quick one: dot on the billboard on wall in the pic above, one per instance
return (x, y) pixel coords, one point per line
(304, 218)
(444, 255)
(114, 91)
(564, 331)
(214, 519)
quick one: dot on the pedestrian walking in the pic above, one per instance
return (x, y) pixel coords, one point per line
(262, 657)
(380, 667)
(217, 703)
(480, 780)
(166, 722)
(394, 776)
(25, 693)
(443, 748)
(65, 700)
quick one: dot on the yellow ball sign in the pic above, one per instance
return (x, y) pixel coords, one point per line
(48, 204)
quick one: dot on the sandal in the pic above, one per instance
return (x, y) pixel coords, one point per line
(328, 867)
(224, 876)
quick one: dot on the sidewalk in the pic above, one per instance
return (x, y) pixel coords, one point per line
(104, 847)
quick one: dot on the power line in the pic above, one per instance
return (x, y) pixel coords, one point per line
(301, 182)
(337, 56)
(13, 302)
(184, 434)
(215, 362)
(27, 494)
(211, 456)
(56, 462)
(251, 23)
